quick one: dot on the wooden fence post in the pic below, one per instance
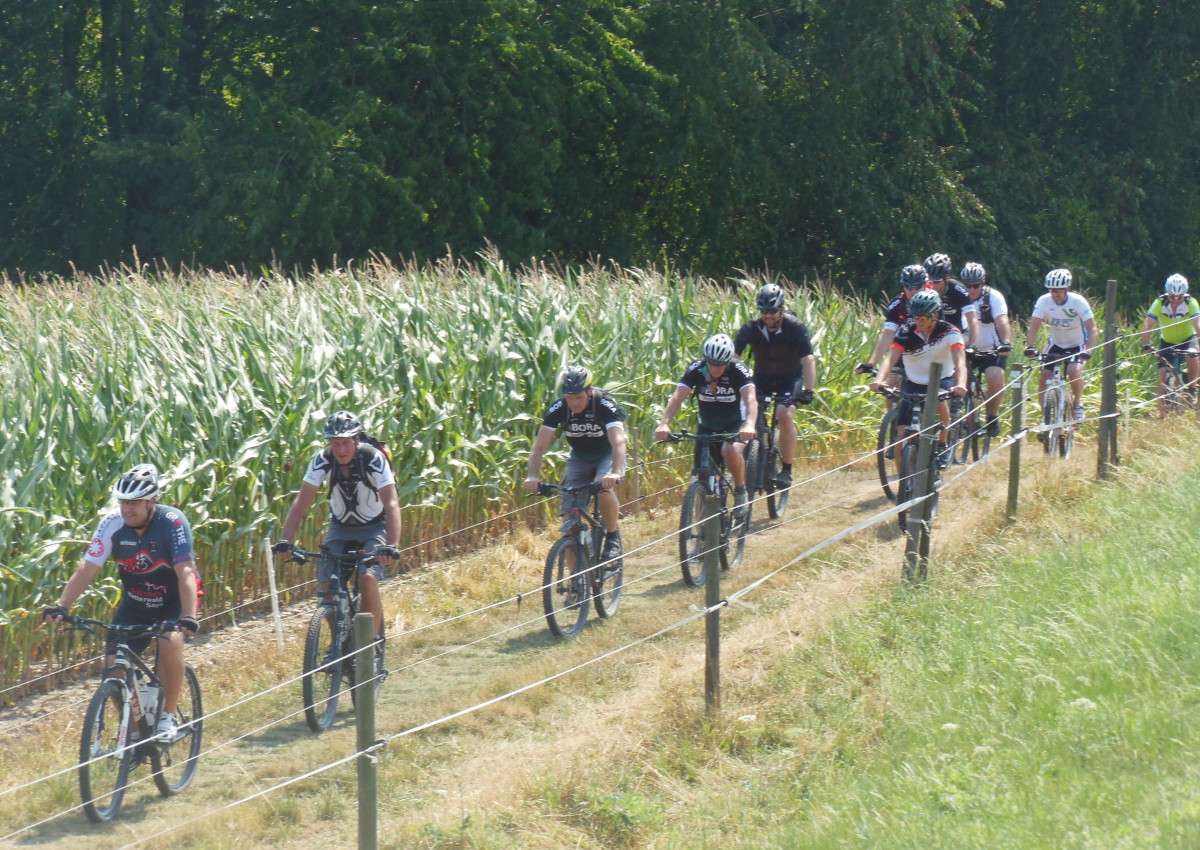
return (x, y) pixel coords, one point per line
(916, 550)
(712, 595)
(368, 764)
(1015, 376)
(1106, 452)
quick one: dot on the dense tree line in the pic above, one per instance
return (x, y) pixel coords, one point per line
(805, 136)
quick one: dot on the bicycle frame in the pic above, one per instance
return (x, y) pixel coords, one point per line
(1057, 405)
(709, 493)
(763, 458)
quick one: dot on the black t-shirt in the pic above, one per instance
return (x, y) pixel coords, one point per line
(719, 403)
(776, 355)
(587, 432)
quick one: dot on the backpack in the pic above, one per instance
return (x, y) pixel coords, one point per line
(985, 307)
(358, 466)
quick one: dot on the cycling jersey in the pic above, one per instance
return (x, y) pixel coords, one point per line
(1174, 323)
(919, 353)
(353, 496)
(897, 313)
(1065, 321)
(145, 562)
(777, 354)
(719, 404)
(990, 305)
(587, 432)
(956, 303)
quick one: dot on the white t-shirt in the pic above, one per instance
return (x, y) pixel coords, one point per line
(989, 339)
(1064, 321)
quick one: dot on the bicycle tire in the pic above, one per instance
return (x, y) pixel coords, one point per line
(887, 436)
(1066, 434)
(904, 486)
(754, 469)
(1050, 416)
(777, 497)
(691, 534)
(351, 645)
(733, 537)
(103, 766)
(565, 588)
(609, 584)
(1173, 399)
(321, 682)
(965, 432)
(175, 764)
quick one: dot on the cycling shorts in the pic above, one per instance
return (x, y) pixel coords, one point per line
(341, 539)
(909, 388)
(580, 472)
(1055, 353)
(988, 361)
(767, 387)
(716, 459)
(130, 613)
(1168, 351)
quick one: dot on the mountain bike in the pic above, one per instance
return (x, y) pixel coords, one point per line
(885, 452)
(1057, 408)
(763, 459)
(1177, 396)
(574, 571)
(120, 726)
(330, 644)
(969, 436)
(710, 492)
(907, 451)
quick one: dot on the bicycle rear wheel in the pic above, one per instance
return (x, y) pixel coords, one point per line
(1066, 434)
(565, 588)
(691, 534)
(965, 432)
(608, 587)
(103, 765)
(174, 765)
(733, 537)
(886, 440)
(323, 669)
(755, 483)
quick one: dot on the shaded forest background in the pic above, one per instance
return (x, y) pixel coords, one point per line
(839, 139)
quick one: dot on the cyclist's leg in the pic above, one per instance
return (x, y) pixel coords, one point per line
(994, 374)
(945, 409)
(787, 425)
(579, 473)
(610, 506)
(1192, 363)
(734, 453)
(904, 414)
(370, 574)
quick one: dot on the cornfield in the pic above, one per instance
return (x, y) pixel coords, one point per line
(224, 381)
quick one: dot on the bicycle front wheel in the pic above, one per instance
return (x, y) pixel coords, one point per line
(733, 537)
(966, 432)
(1173, 399)
(103, 765)
(754, 469)
(175, 765)
(691, 535)
(1052, 415)
(323, 669)
(565, 588)
(904, 486)
(885, 445)
(777, 497)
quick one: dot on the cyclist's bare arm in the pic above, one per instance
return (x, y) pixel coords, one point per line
(298, 511)
(185, 571)
(885, 369)
(533, 476)
(1093, 336)
(808, 365)
(960, 371)
(1031, 335)
(750, 401)
(673, 404)
(883, 346)
(77, 583)
(616, 438)
(391, 521)
(972, 326)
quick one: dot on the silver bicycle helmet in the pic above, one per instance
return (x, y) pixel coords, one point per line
(1176, 285)
(770, 297)
(972, 273)
(137, 484)
(342, 424)
(718, 349)
(1058, 279)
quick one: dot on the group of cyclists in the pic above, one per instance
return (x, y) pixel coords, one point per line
(934, 318)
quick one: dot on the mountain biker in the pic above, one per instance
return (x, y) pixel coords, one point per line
(957, 306)
(725, 401)
(995, 334)
(152, 546)
(594, 425)
(364, 512)
(1177, 317)
(926, 341)
(1072, 328)
(912, 278)
(783, 364)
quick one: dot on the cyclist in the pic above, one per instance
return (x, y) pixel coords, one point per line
(364, 511)
(995, 334)
(152, 546)
(1177, 317)
(783, 363)
(724, 390)
(926, 341)
(1072, 328)
(595, 427)
(957, 307)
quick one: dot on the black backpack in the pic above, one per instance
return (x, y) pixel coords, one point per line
(358, 466)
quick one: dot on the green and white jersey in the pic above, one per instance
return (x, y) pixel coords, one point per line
(1174, 322)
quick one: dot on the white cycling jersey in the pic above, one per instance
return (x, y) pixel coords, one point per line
(1064, 321)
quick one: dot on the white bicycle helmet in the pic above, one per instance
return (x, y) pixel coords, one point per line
(1058, 279)
(1176, 285)
(137, 484)
(972, 273)
(718, 349)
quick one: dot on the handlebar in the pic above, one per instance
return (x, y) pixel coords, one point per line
(547, 489)
(86, 624)
(896, 394)
(303, 556)
(675, 437)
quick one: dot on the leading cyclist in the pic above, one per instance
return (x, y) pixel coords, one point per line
(783, 364)
(1072, 331)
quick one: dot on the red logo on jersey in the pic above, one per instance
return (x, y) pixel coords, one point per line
(96, 550)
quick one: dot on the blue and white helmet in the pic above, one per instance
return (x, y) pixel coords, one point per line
(1176, 285)
(137, 484)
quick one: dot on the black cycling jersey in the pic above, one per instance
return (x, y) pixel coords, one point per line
(776, 355)
(719, 403)
(587, 432)
(955, 300)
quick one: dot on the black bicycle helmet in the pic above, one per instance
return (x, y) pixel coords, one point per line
(913, 277)
(925, 302)
(342, 424)
(575, 379)
(972, 273)
(137, 484)
(938, 266)
(770, 297)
